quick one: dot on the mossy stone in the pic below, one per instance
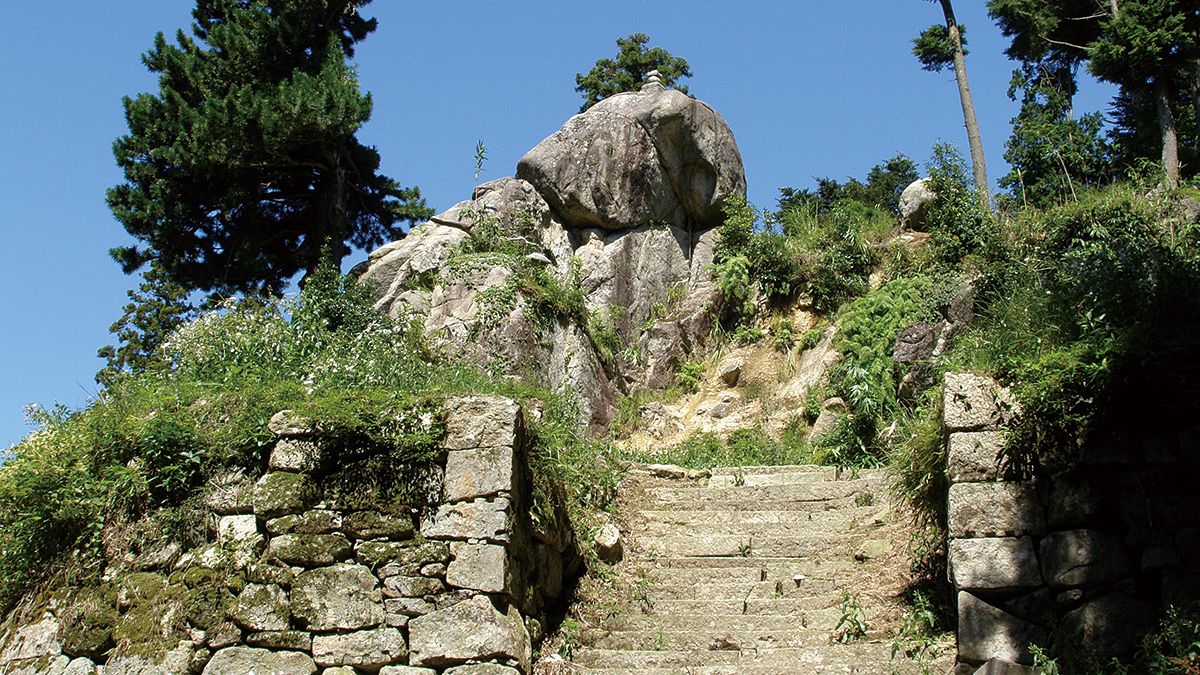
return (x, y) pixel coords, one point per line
(280, 493)
(88, 619)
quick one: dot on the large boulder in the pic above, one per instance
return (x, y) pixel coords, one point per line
(638, 157)
(914, 205)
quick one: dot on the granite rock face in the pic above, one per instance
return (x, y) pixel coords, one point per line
(635, 158)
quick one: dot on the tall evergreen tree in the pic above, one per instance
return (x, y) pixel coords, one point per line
(1052, 152)
(628, 71)
(938, 48)
(1147, 46)
(245, 163)
(155, 310)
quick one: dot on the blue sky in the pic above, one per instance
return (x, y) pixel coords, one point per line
(810, 88)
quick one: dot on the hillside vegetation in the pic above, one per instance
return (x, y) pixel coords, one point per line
(1088, 309)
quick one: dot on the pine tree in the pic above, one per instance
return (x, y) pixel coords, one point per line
(628, 72)
(245, 163)
(155, 310)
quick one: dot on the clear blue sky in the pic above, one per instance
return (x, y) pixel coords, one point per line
(810, 88)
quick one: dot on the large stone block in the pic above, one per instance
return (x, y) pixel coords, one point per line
(480, 519)
(243, 660)
(480, 567)
(340, 597)
(263, 607)
(366, 649)
(294, 455)
(975, 456)
(1108, 626)
(481, 422)
(316, 521)
(309, 550)
(282, 492)
(401, 586)
(1082, 558)
(971, 402)
(986, 632)
(478, 472)
(376, 525)
(403, 554)
(1073, 501)
(482, 669)
(994, 563)
(1004, 509)
(33, 641)
(471, 630)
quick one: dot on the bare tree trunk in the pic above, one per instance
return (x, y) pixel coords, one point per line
(1166, 125)
(964, 94)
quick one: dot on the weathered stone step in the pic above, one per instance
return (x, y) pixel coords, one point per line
(780, 588)
(728, 656)
(750, 546)
(778, 478)
(766, 494)
(690, 641)
(831, 471)
(692, 517)
(746, 606)
(767, 568)
(816, 656)
(795, 527)
(754, 505)
(718, 624)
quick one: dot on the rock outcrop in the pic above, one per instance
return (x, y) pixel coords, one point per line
(603, 239)
(637, 158)
(914, 205)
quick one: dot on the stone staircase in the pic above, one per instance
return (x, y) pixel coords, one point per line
(743, 571)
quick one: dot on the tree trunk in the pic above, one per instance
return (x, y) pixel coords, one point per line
(964, 94)
(1166, 125)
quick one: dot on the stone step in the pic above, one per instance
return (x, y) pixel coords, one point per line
(761, 590)
(752, 505)
(766, 494)
(767, 568)
(831, 471)
(817, 652)
(759, 479)
(718, 624)
(750, 546)
(692, 641)
(746, 606)
(692, 517)
(797, 526)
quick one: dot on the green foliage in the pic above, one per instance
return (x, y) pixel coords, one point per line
(934, 47)
(157, 308)
(852, 624)
(959, 223)
(1053, 153)
(628, 71)
(918, 463)
(866, 378)
(744, 447)
(1173, 648)
(246, 163)
(149, 445)
(917, 637)
(885, 183)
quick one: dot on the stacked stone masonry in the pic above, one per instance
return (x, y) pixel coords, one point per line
(1069, 552)
(322, 584)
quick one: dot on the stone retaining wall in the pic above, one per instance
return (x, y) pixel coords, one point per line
(304, 578)
(1085, 552)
